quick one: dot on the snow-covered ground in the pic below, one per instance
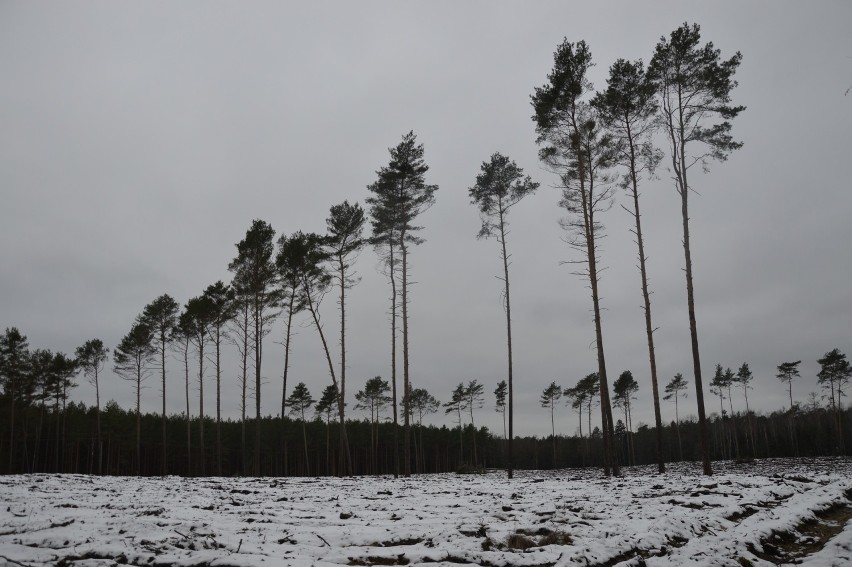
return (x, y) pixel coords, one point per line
(567, 517)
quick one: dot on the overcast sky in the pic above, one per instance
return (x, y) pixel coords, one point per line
(138, 141)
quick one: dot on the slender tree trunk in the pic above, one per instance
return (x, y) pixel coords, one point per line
(391, 262)
(97, 421)
(680, 175)
(677, 425)
(163, 366)
(342, 282)
(473, 427)
(406, 399)
(505, 256)
(203, 458)
(218, 400)
(188, 416)
(287, 337)
(138, 421)
(553, 432)
(305, 439)
(12, 425)
(649, 329)
(258, 354)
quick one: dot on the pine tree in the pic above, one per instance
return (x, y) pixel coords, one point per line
(500, 402)
(288, 262)
(199, 319)
(623, 389)
(221, 299)
(254, 280)
(161, 315)
(326, 405)
(673, 390)
(577, 148)
(473, 393)
(500, 186)
(400, 195)
(457, 404)
(834, 373)
(92, 358)
(628, 108)
(372, 398)
(299, 401)
(786, 372)
(133, 358)
(14, 358)
(548, 399)
(310, 254)
(421, 403)
(344, 241)
(694, 88)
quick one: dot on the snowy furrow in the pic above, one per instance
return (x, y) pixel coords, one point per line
(568, 517)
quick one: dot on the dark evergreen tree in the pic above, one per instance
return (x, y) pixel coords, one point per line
(300, 401)
(92, 358)
(673, 390)
(577, 148)
(421, 403)
(133, 358)
(325, 407)
(373, 398)
(694, 87)
(14, 358)
(628, 108)
(199, 320)
(474, 394)
(400, 195)
(161, 316)
(623, 389)
(834, 373)
(500, 393)
(457, 404)
(786, 372)
(499, 186)
(254, 280)
(63, 371)
(548, 399)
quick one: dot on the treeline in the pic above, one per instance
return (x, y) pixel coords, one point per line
(66, 442)
(594, 142)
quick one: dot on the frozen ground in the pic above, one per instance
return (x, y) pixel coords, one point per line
(765, 513)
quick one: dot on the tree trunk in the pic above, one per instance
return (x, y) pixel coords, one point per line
(203, 459)
(258, 355)
(98, 423)
(286, 364)
(405, 375)
(680, 171)
(218, 401)
(393, 361)
(510, 460)
(188, 417)
(163, 365)
(646, 297)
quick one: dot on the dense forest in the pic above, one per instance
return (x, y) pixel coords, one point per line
(594, 143)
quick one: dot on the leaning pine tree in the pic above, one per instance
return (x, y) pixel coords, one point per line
(499, 186)
(400, 195)
(694, 87)
(577, 149)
